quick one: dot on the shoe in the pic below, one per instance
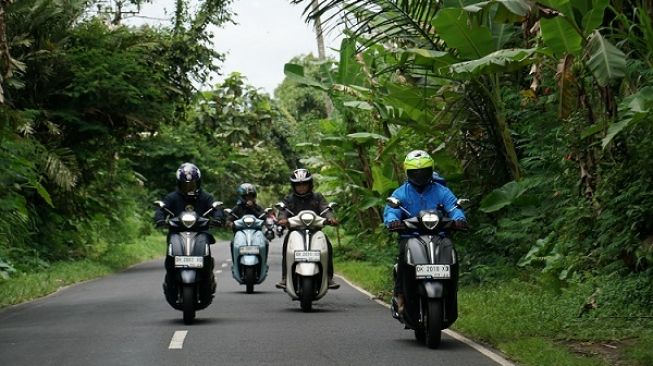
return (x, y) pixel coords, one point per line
(281, 284)
(333, 285)
(399, 301)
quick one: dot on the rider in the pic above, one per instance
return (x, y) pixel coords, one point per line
(419, 192)
(246, 204)
(303, 198)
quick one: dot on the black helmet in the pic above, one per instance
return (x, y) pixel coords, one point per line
(246, 189)
(301, 176)
(189, 180)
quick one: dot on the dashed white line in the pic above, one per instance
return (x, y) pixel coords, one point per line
(177, 341)
(224, 265)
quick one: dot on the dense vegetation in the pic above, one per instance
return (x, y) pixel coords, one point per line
(540, 113)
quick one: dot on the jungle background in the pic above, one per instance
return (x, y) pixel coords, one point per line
(538, 112)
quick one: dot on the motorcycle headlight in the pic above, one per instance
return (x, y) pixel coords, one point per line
(248, 221)
(307, 219)
(430, 221)
(188, 219)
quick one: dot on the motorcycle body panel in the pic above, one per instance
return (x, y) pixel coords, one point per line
(297, 241)
(244, 236)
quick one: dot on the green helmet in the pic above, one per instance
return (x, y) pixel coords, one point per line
(418, 159)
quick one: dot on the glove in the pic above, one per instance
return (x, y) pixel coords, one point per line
(396, 225)
(161, 223)
(460, 225)
(332, 221)
(229, 224)
(282, 222)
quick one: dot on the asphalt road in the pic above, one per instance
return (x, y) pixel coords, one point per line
(123, 319)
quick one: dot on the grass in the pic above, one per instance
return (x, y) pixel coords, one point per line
(531, 325)
(25, 287)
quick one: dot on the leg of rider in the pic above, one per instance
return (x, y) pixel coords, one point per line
(282, 283)
(332, 284)
(399, 281)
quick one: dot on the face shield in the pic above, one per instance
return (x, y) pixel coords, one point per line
(188, 188)
(419, 177)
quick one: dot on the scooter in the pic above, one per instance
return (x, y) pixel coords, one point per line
(280, 230)
(189, 283)
(307, 256)
(269, 227)
(249, 250)
(430, 276)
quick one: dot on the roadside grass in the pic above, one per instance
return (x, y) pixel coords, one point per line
(25, 287)
(530, 325)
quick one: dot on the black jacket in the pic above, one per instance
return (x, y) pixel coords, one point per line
(177, 203)
(242, 209)
(313, 201)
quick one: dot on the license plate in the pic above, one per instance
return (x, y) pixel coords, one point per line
(249, 249)
(189, 262)
(307, 256)
(433, 271)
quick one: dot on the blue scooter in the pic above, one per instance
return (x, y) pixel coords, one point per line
(249, 250)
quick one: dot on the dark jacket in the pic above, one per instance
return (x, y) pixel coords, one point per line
(177, 203)
(242, 209)
(313, 201)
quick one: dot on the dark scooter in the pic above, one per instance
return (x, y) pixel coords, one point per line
(189, 282)
(430, 276)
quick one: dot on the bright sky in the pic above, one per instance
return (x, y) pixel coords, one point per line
(268, 34)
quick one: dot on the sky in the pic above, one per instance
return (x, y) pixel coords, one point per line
(268, 34)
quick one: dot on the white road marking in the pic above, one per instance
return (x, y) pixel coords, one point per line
(177, 341)
(218, 271)
(224, 265)
(228, 260)
(486, 351)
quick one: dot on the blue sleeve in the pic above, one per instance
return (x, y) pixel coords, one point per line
(392, 214)
(450, 205)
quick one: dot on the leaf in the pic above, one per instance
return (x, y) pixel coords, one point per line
(560, 36)
(517, 7)
(365, 137)
(296, 73)
(382, 183)
(567, 87)
(500, 60)
(594, 16)
(471, 41)
(606, 62)
(503, 196)
(359, 105)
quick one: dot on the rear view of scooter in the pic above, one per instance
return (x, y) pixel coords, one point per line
(249, 250)
(307, 257)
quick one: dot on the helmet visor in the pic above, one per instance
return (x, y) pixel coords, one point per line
(419, 177)
(189, 188)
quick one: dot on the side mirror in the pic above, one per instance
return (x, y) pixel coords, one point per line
(267, 210)
(227, 211)
(159, 204)
(280, 205)
(333, 205)
(393, 202)
(216, 204)
(462, 202)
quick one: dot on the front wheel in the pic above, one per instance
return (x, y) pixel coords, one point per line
(188, 305)
(433, 323)
(250, 273)
(306, 294)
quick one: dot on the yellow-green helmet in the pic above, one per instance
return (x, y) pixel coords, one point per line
(418, 166)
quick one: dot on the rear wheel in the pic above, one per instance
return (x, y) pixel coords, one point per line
(188, 305)
(433, 323)
(306, 294)
(250, 273)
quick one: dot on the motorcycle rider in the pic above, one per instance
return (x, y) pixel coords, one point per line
(419, 192)
(188, 196)
(246, 204)
(301, 198)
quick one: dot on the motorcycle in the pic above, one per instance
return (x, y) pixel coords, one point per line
(280, 230)
(249, 250)
(307, 256)
(431, 275)
(189, 283)
(269, 224)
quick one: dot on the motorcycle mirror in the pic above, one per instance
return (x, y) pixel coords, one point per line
(280, 205)
(159, 204)
(393, 202)
(268, 209)
(216, 204)
(227, 211)
(333, 205)
(462, 202)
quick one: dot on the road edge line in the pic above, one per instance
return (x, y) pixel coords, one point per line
(459, 337)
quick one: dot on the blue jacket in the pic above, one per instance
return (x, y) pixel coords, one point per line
(433, 195)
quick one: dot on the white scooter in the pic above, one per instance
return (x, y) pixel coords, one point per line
(307, 257)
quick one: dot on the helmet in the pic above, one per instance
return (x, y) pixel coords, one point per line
(301, 176)
(189, 180)
(418, 166)
(246, 189)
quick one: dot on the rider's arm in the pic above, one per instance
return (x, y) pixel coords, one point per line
(450, 203)
(322, 205)
(160, 215)
(393, 214)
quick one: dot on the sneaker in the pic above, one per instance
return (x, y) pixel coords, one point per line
(281, 284)
(333, 285)
(400, 301)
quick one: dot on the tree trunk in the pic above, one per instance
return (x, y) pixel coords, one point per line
(5, 57)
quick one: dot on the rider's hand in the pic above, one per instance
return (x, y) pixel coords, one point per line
(396, 225)
(161, 223)
(282, 222)
(460, 225)
(229, 224)
(332, 221)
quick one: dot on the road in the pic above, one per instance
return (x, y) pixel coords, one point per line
(123, 319)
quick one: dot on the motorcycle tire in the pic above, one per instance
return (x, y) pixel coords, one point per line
(433, 323)
(250, 275)
(188, 304)
(306, 294)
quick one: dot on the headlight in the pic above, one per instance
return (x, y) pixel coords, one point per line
(430, 221)
(188, 219)
(307, 219)
(249, 220)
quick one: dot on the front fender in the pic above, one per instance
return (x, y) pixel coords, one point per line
(188, 276)
(431, 289)
(249, 260)
(307, 269)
